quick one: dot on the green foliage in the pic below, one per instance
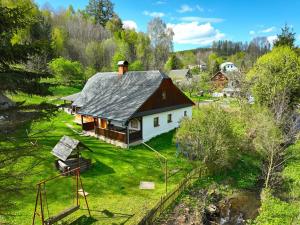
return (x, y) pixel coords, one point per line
(195, 71)
(118, 56)
(205, 82)
(275, 76)
(89, 72)
(173, 63)
(209, 137)
(214, 62)
(188, 58)
(94, 54)
(286, 38)
(114, 24)
(16, 78)
(273, 211)
(136, 66)
(58, 42)
(65, 70)
(291, 172)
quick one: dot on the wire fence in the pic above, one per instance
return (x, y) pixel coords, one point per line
(167, 200)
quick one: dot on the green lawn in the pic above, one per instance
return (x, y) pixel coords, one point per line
(57, 92)
(112, 182)
(196, 98)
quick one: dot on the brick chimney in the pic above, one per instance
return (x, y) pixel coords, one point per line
(122, 67)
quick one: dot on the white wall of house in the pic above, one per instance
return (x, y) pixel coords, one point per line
(149, 131)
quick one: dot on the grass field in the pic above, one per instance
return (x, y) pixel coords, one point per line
(112, 182)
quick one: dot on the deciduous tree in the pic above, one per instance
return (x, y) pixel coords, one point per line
(162, 41)
(208, 137)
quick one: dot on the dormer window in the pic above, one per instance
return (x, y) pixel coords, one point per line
(164, 95)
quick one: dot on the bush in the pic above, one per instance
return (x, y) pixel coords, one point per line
(209, 136)
(136, 66)
(273, 211)
(66, 70)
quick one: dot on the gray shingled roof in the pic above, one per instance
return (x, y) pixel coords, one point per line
(179, 74)
(66, 147)
(71, 98)
(5, 102)
(110, 96)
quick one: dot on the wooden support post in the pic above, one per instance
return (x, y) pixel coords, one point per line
(41, 205)
(166, 175)
(81, 120)
(77, 194)
(36, 203)
(128, 133)
(82, 188)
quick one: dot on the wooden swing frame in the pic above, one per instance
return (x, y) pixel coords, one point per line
(66, 212)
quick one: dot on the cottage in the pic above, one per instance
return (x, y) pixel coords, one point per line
(125, 108)
(220, 80)
(225, 84)
(228, 67)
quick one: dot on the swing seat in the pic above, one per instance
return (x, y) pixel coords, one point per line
(61, 215)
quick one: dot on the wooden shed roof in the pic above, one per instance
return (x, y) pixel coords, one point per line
(66, 147)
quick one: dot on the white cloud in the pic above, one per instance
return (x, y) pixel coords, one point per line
(130, 24)
(185, 8)
(201, 19)
(252, 32)
(272, 38)
(199, 8)
(153, 14)
(195, 33)
(269, 30)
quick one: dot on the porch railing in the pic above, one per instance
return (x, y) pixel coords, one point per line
(112, 134)
(88, 126)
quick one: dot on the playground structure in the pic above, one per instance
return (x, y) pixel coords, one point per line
(41, 199)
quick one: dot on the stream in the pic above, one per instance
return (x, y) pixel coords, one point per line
(234, 210)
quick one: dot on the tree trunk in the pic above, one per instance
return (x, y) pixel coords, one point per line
(269, 170)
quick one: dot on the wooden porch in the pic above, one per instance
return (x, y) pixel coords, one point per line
(113, 134)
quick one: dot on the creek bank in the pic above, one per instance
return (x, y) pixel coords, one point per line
(213, 206)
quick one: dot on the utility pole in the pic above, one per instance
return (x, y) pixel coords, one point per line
(166, 165)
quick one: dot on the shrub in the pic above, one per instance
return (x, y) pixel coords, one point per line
(66, 70)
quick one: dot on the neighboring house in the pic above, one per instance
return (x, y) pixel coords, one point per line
(179, 76)
(228, 67)
(224, 84)
(220, 80)
(125, 108)
(202, 66)
(5, 102)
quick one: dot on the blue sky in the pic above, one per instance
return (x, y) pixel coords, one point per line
(198, 23)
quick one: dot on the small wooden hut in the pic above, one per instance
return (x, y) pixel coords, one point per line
(68, 151)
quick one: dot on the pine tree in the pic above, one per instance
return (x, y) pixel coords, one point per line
(286, 38)
(101, 10)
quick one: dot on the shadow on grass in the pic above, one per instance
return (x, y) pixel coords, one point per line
(99, 168)
(84, 220)
(102, 214)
